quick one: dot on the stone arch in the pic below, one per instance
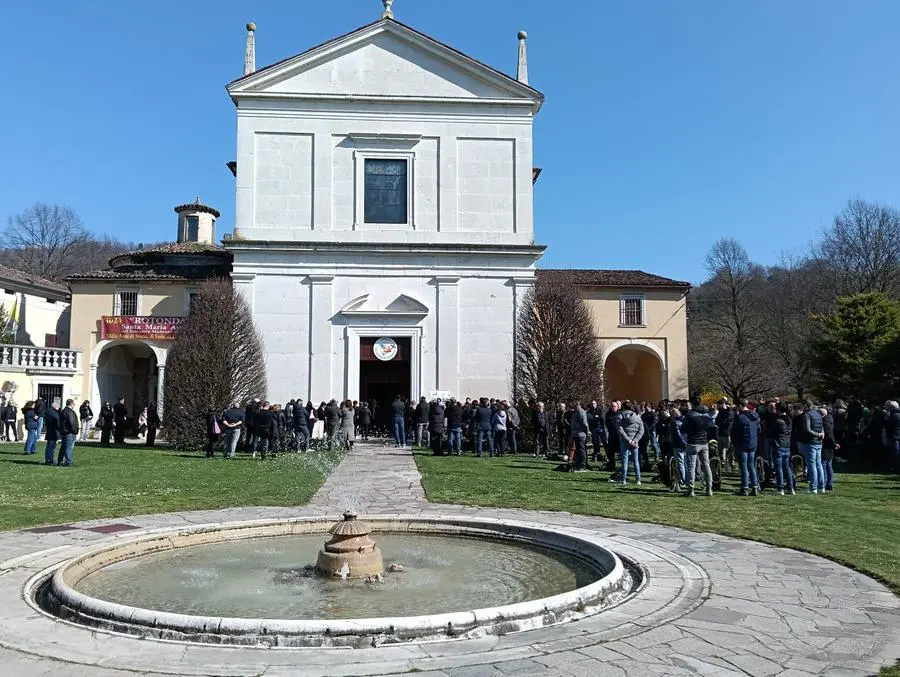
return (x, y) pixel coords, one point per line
(635, 369)
(129, 367)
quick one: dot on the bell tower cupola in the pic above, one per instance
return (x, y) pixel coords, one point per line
(197, 222)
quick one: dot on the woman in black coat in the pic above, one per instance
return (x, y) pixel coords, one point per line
(436, 428)
(106, 424)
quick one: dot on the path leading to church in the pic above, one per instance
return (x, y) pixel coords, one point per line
(712, 606)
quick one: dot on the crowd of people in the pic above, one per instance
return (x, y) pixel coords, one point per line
(681, 441)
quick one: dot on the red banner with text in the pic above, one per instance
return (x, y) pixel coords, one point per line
(135, 327)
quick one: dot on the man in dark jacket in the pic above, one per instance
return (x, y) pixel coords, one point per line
(332, 421)
(398, 416)
(40, 410)
(483, 427)
(829, 446)
(436, 427)
(649, 419)
(696, 429)
(422, 410)
(153, 423)
(52, 429)
(264, 430)
(363, 420)
(68, 433)
(744, 438)
(300, 423)
(612, 436)
(250, 412)
(724, 419)
(812, 432)
(120, 412)
(541, 422)
(454, 413)
(784, 474)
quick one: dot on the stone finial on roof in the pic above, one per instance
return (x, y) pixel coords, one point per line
(250, 52)
(388, 12)
(522, 69)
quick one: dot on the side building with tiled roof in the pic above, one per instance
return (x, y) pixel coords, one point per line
(36, 361)
(125, 317)
(640, 322)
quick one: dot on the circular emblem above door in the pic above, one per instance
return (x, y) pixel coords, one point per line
(385, 349)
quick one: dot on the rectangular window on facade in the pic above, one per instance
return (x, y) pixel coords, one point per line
(50, 393)
(49, 340)
(386, 187)
(126, 302)
(191, 297)
(631, 310)
(193, 228)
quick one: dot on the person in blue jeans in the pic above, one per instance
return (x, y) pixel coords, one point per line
(679, 443)
(631, 430)
(483, 415)
(52, 425)
(812, 433)
(744, 439)
(398, 413)
(454, 413)
(40, 410)
(31, 426)
(782, 424)
(68, 422)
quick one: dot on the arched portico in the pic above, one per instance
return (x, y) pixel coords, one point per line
(635, 370)
(133, 369)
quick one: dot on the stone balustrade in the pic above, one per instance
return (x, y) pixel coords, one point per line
(36, 358)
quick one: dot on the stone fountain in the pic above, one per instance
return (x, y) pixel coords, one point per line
(351, 553)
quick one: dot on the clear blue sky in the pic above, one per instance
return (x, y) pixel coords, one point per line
(667, 123)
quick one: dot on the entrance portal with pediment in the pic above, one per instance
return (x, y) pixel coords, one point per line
(385, 371)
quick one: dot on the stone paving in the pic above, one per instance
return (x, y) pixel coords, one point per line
(712, 605)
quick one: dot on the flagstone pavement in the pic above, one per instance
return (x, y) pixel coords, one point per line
(712, 605)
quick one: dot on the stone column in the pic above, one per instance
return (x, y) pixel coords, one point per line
(520, 287)
(447, 334)
(160, 388)
(320, 351)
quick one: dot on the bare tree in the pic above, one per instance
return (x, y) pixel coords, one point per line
(44, 238)
(861, 249)
(726, 322)
(788, 326)
(216, 359)
(557, 357)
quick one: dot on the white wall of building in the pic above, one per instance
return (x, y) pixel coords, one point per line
(319, 277)
(38, 317)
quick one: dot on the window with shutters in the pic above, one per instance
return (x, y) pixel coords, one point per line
(126, 302)
(632, 310)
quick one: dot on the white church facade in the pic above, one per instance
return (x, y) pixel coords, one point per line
(384, 231)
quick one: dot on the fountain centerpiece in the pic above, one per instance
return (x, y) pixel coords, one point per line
(351, 553)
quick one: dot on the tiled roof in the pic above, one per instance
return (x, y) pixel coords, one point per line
(608, 278)
(20, 276)
(198, 207)
(192, 248)
(161, 274)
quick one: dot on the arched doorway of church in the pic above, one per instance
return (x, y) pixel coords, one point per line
(127, 369)
(634, 372)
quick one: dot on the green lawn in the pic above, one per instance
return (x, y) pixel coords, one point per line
(858, 525)
(135, 480)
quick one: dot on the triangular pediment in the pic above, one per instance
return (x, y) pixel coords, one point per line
(385, 59)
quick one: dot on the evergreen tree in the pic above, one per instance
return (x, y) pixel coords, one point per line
(855, 354)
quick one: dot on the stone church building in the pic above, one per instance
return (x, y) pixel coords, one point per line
(384, 232)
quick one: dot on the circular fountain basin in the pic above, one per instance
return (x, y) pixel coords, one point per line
(254, 584)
